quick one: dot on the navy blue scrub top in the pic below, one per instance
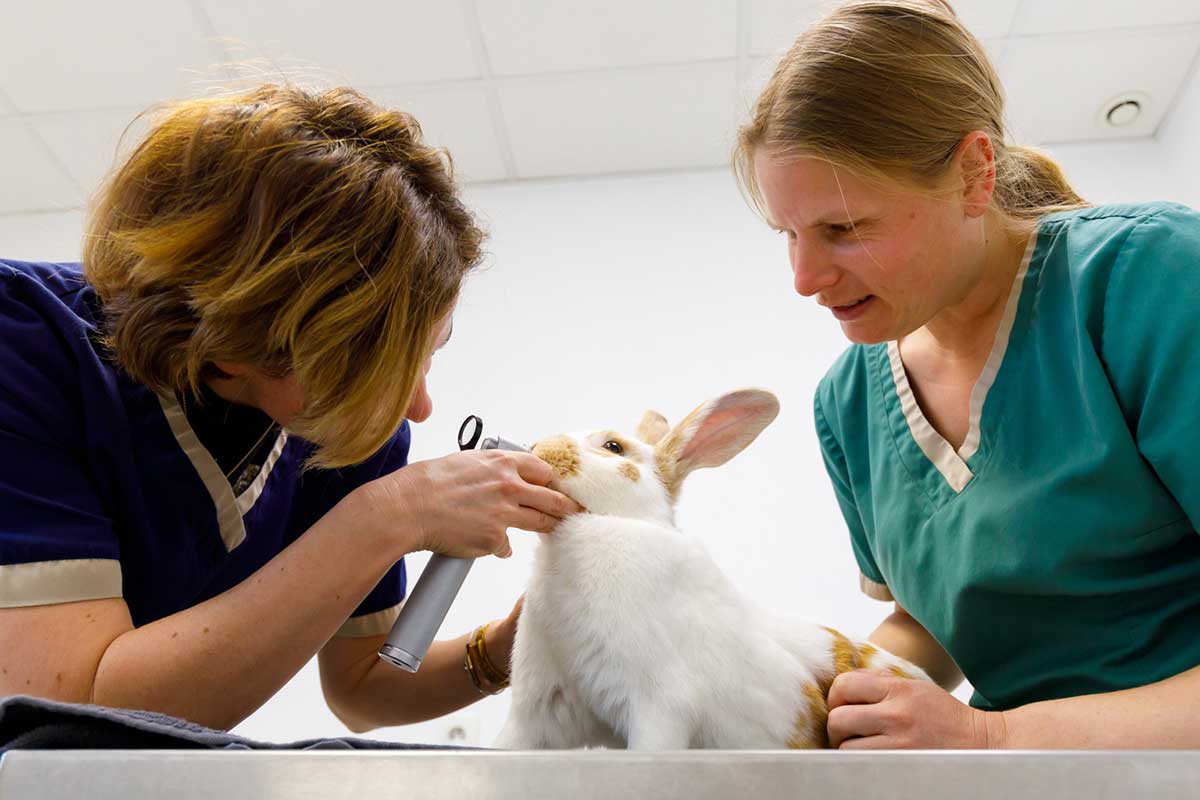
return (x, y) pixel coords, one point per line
(110, 490)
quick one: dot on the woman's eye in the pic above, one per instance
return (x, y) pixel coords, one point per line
(840, 230)
(613, 447)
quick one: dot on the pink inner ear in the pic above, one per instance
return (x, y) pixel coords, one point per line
(714, 434)
(726, 430)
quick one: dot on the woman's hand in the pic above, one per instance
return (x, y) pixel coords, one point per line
(500, 636)
(462, 505)
(875, 711)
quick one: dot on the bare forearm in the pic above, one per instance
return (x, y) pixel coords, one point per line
(217, 662)
(1158, 716)
(380, 694)
(902, 635)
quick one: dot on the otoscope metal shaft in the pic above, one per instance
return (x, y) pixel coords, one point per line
(425, 609)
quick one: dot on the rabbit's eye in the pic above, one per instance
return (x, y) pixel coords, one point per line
(613, 447)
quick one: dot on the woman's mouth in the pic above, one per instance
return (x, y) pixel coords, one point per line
(854, 310)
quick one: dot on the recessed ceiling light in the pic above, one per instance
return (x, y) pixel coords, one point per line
(1123, 110)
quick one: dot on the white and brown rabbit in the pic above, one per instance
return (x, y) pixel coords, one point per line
(631, 636)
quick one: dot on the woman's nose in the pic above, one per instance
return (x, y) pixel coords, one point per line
(811, 271)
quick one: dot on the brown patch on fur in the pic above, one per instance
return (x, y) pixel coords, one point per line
(869, 653)
(846, 656)
(560, 453)
(811, 730)
(652, 428)
(629, 471)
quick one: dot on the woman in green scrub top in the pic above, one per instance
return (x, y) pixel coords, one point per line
(1014, 435)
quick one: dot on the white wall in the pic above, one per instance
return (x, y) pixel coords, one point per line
(607, 296)
(1180, 139)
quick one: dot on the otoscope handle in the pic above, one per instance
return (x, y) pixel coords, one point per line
(426, 607)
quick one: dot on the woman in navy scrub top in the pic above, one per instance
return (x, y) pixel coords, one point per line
(204, 426)
(1013, 437)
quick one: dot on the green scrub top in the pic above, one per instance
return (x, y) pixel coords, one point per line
(1055, 553)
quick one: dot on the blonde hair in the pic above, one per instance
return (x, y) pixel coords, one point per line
(305, 233)
(887, 90)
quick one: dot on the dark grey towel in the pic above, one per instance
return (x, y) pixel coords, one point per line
(31, 723)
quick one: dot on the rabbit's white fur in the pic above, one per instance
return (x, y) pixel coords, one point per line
(632, 636)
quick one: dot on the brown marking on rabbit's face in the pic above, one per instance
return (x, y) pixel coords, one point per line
(561, 453)
(608, 473)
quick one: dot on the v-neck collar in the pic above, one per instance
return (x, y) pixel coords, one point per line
(949, 462)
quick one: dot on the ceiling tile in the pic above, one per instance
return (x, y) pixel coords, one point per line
(362, 43)
(62, 54)
(524, 38)
(757, 72)
(86, 142)
(1048, 103)
(457, 118)
(1058, 16)
(645, 119)
(775, 24)
(988, 19)
(29, 178)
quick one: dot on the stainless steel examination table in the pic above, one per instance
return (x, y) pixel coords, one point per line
(184, 775)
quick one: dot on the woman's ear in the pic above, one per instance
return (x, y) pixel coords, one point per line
(975, 161)
(233, 369)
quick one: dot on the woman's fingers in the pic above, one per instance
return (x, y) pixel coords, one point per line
(858, 715)
(548, 501)
(849, 722)
(858, 686)
(530, 519)
(867, 743)
(531, 468)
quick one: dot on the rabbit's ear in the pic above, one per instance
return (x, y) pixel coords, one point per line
(714, 433)
(652, 428)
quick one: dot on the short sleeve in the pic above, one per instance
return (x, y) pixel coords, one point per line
(870, 580)
(1151, 347)
(57, 540)
(377, 612)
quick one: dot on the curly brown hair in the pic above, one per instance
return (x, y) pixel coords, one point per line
(306, 233)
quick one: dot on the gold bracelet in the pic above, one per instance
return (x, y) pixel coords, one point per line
(484, 674)
(495, 674)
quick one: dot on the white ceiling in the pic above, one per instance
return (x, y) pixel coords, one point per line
(527, 88)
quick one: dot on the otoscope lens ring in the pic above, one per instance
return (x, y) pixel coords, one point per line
(476, 432)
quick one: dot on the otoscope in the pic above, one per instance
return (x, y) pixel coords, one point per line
(425, 609)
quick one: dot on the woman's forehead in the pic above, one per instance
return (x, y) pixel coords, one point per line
(814, 190)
